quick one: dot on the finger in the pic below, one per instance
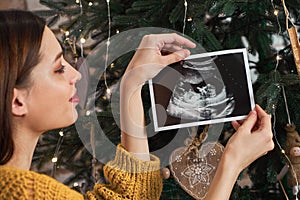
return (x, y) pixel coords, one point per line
(175, 57)
(263, 117)
(159, 41)
(241, 121)
(235, 124)
(176, 39)
(170, 48)
(172, 38)
(250, 122)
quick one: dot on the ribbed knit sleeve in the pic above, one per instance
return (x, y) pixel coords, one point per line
(129, 178)
(28, 185)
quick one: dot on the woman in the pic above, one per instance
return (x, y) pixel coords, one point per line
(36, 77)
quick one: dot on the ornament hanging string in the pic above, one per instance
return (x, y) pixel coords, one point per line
(287, 15)
(294, 39)
(197, 141)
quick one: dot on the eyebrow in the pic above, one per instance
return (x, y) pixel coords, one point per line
(58, 56)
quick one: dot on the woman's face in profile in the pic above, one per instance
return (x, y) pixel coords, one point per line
(52, 98)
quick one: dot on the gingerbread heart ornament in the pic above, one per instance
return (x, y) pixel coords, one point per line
(194, 168)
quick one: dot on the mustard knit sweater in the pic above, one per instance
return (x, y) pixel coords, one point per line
(126, 176)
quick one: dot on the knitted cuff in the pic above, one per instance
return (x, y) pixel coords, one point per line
(125, 161)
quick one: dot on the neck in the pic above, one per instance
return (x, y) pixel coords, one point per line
(25, 144)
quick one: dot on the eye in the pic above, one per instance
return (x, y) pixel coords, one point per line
(61, 69)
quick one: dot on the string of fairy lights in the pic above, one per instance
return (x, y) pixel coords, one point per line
(108, 91)
(278, 58)
(82, 41)
(72, 43)
(184, 16)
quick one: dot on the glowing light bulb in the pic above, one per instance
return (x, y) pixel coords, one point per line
(61, 133)
(108, 42)
(190, 19)
(278, 57)
(82, 40)
(87, 113)
(54, 159)
(276, 12)
(108, 91)
(282, 151)
(90, 3)
(185, 4)
(77, 1)
(117, 31)
(67, 33)
(75, 184)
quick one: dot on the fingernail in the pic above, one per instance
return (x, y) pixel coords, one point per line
(253, 112)
(185, 53)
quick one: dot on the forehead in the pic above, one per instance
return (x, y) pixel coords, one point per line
(50, 47)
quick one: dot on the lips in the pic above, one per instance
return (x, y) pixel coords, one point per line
(74, 99)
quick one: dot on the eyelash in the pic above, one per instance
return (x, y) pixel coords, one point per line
(61, 70)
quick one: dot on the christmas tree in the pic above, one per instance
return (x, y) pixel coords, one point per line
(259, 26)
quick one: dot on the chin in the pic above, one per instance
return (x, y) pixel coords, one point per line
(74, 116)
(71, 119)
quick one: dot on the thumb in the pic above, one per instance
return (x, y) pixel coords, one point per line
(176, 56)
(250, 122)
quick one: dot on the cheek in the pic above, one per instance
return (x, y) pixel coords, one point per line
(51, 109)
(48, 95)
(52, 93)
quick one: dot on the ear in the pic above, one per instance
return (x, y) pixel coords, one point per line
(18, 102)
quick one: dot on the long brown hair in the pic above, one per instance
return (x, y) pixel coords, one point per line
(20, 40)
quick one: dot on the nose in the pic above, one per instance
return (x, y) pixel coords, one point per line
(75, 75)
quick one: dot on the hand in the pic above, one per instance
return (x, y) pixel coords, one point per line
(153, 54)
(252, 139)
(156, 52)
